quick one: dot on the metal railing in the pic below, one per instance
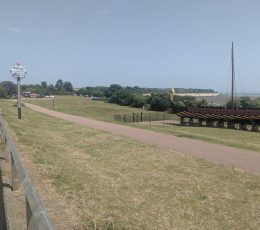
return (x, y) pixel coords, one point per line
(143, 117)
(36, 215)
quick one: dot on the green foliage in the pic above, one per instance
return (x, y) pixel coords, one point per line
(256, 103)
(245, 103)
(111, 90)
(139, 101)
(59, 85)
(189, 101)
(202, 103)
(186, 101)
(178, 103)
(133, 96)
(3, 93)
(68, 86)
(159, 102)
(44, 84)
(9, 88)
(122, 97)
(97, 93)
(61, 88)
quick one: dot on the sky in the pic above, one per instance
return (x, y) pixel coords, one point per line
(147, 43)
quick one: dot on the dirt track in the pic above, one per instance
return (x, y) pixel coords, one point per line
(242, 159)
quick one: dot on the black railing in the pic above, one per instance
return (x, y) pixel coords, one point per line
(144, 117)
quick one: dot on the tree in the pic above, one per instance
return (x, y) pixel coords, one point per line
(139, 101)
(44, 88)
(179, 102)
(3, 93)
(202, 103)
(51, 89)
(236, 104)
(97, 93)
(160, 102)
(189, 101)
(256, 103)
(111, 90)
(9, 87)
(81, 91)
(245, 102)
(68, 86)
(59, 86)
(44, 84)
(122, 97)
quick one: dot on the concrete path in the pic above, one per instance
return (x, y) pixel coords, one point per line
(239, 158)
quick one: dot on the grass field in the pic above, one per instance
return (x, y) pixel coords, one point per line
(105, 111)
(236, 138)
(84, 106)
(116, 183)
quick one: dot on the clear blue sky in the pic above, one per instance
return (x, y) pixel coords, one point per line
(150, 43)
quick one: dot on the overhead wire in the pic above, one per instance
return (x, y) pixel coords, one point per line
(210, 70)
(228, 81)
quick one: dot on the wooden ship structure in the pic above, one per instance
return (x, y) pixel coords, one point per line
(235, 118)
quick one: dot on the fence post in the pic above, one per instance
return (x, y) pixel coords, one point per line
(133, 117)
(15, 179)
(29, 217)
(141, 116)
(7, 154)
(36, 216)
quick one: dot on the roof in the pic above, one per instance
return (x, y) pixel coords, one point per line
(221, 114)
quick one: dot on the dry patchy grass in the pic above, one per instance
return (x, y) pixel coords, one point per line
(83, 106)
(105, 111)
(118, 183)
(236, 138)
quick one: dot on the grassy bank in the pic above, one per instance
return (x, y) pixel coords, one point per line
(105, 111)
(114, 182)
(236, 138)
(84, 106)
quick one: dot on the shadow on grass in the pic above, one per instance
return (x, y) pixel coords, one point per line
(3, 224)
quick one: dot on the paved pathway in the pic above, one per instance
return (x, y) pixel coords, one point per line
(239, 158)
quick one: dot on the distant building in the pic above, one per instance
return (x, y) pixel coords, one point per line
(26, 94)
(198, 94)
(35, 95)
(30, 94)
(194, 94)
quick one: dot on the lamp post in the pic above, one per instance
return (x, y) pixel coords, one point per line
(18, 72)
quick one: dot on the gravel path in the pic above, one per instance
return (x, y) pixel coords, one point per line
(239, 158)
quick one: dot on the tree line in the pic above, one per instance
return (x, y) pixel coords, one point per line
(8, 88)
(150, 98)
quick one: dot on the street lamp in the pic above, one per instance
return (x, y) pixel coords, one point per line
(18, 72)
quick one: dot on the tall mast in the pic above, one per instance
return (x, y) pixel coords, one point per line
(233, 77)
